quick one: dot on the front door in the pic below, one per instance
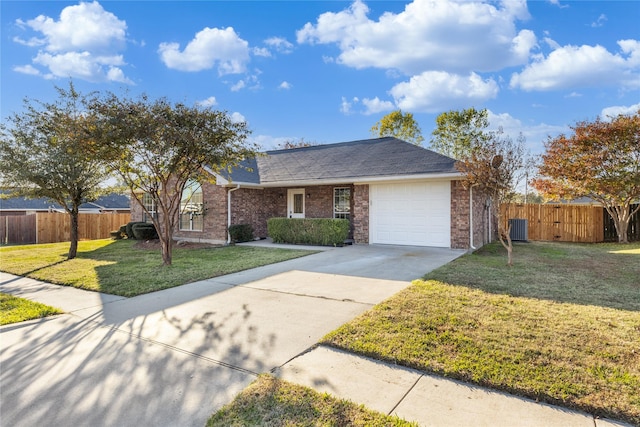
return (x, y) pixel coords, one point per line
(295, 204)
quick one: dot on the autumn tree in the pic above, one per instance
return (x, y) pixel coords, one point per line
(494, 168)
(457, 132)
(47, 151)
(601, 160)
(158, 147)
(399, 125)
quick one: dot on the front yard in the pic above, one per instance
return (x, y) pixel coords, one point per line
(561, 326)
(121, 267)
(14, 309)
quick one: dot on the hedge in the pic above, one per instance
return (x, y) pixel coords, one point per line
(241, 233)
(309, 231)
(144, 231)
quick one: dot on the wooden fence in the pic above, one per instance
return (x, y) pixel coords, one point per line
(558, 222)
(44, 227)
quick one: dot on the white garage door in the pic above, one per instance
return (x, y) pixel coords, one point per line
(417, 214)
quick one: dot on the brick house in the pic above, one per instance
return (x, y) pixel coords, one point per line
(393, 192)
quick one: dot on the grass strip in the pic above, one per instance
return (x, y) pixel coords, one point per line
(542, 337)
(14, 309)
(118, 267)
(269, 401)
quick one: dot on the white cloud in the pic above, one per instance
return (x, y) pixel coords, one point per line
(262, 51)
(600, 21)
(584, 66)
(435, 91)
(27, 69)
(84, 43)
(86, 26)
(237, 117)
(209, 102)
(535, 134)
(209, 47)
(346, 105)
(83, 65)
(280, 44)
(619, 109)
(285, 86)
(452, 35)
(376, 105)
(238, 86)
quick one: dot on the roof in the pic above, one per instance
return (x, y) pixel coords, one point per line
(108, 202)
(353, 161)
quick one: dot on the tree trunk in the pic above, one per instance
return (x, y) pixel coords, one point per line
(621, 217)
(505, 239)
(166, 250)
(73, 248)
(621, 228)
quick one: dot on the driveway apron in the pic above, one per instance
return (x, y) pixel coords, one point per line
(173, 357)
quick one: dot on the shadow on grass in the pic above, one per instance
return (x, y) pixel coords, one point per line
(605, 275)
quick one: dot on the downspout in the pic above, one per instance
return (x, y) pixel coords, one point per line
(471, 217)
(229, 211)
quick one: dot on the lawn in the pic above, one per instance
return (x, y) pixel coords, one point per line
(561, 326)
(120, 267)
(14, 310)
(273, 402)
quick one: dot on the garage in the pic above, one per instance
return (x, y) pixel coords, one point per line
(412, 213)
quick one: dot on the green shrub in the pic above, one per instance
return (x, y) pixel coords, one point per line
(128, 229)
(310, 231)
(241, 233)
(144, 231)
(123, 231)
(117, 235)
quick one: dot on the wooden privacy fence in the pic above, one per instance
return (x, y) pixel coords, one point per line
(44, 227)
(558, 222)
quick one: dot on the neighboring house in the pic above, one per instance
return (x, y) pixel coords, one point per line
(15, 206)
(393, 192)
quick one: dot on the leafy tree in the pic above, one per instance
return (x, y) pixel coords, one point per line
(400, 125)
(494, 169)
(601, 160)
(290, 143)
(47, 151)
(156, 148)
(457, 132)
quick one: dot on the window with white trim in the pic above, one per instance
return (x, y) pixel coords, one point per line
(342, 202)
(192, 207)
(151, 209)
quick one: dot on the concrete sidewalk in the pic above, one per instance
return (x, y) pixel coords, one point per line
(175, 356)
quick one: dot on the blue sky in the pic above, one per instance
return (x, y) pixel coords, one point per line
(328, 71)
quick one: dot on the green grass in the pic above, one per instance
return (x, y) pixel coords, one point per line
(561, 326)
(14, 310)
(118, 267)
(272, 402)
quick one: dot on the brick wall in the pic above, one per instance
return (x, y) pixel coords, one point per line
(256, 206)
(360, 213)
(460, 217)
(215, 217)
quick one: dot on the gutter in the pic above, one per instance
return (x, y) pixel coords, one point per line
(471, 217)
(229, 211)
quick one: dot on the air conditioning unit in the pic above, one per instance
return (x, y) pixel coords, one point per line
(519, 229)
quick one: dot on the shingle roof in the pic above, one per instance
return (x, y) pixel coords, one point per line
(109, 202)
(370, 158)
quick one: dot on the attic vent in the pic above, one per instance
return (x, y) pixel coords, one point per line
(519, 229)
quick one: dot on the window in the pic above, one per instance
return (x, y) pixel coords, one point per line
(342, 203)
(192, 207)
(150, 206)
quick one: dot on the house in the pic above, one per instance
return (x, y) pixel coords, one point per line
(393, 193)
(17, 206)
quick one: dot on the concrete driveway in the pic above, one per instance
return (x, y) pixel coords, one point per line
(175, 356)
